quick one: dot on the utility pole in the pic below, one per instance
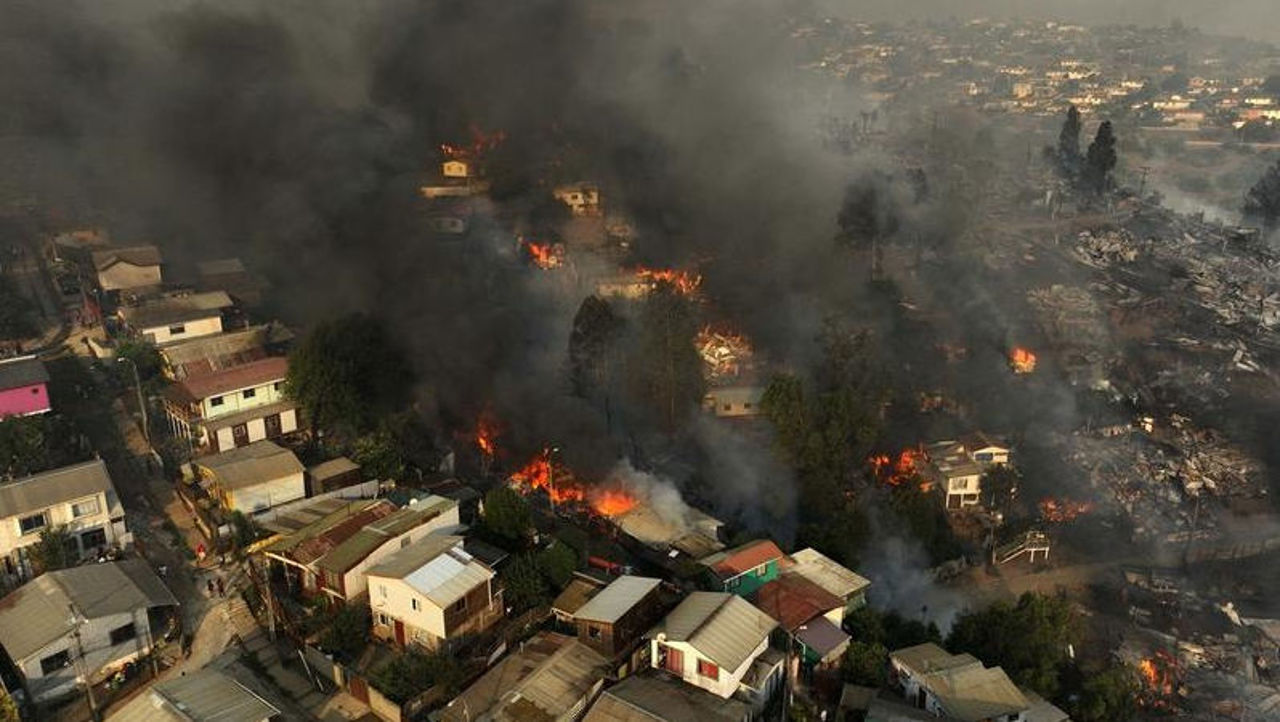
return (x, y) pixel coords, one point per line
(82, 669)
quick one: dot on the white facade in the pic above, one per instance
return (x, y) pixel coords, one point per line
(354, 581)
(696, 669)
(169, 333)
(260, 497)
(48, 677)
(963, 491)
(236, 400)
(256, 429)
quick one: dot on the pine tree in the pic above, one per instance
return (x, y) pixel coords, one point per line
(1069, 142)
(1101, 159)
(1262, 202)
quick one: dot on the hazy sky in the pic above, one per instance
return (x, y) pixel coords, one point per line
(1254, 18)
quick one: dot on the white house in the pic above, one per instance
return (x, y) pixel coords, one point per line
(81, 624)
(177, 318)
(583, 199)
(958, 466)
(253, 478)
(712, 640)
(201, 695)
(80, 498)
(341, 571)
(956, 686)
(733, 401)
(432, 593)
(128, 268)
(233, 407)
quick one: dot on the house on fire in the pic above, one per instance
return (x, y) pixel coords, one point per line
(165, 320)
(233, 407)
(744, 569)
(433, 593)
(720, 643)
(24, 387)
(79, 497)
(957, 467)
(550, 677)
(583, 199)
(253, 478)
(959, 687)
(83, 622)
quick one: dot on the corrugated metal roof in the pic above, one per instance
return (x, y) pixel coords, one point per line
(827, 573)
(244, 376)
(732, 562)
(207, 695)
(39, 613)
(556, 686)
(617, 599)
(578, 593)
(176, 309)
(23, 371)
(316, 535)
(333, 467)
(437, 567)
(793, 600)
(351, 552)
(723, 627)
(41, 491)
(209, 354)
(145, 255)
(257, 463)
(652, 697)
(822, 636)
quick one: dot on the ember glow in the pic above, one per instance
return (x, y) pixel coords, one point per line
(724, 353)
(612, 502)
(1022, 361)
(543, 255)
(897, 471)
(1159, 674)
(481, 143)
(539, 473)
(684, 282)
(486, 434)
(1060, 511)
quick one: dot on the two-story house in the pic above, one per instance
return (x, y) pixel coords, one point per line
(341, 572)
(309, 533)
(253, 478)
(169, 319)
(720, 643)
(957, 467)
(79, 625)
(233, 407)
(24, 387)
(79, 498)
(956, 686)
(744, 569)
(833, 577)
(210, 354)
(808, 618)
(614, 620)
(432, 593)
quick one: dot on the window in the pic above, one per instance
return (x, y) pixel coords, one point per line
(459, 606)
(88, 507)
(276, 386)
(404, 542)
(35, 390)
(985, 456)
(762, 570)
(120, 635)
(594, 633)
(215, 401)
(93, 539)
(414, 603)
(382, 591)
(55, 662)
(250, 393)
(383, 620)
(708, 670)
(35, 522)
(177, 330)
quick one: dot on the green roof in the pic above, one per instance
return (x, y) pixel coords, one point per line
(364, 542)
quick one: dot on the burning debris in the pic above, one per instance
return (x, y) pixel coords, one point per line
(481, 143)
(1061, 511)
(543, 255)
(908, 466)
(724, 354)
(563, 488)
(1022, 361)
(684, 282)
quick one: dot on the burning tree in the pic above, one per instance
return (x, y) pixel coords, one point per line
(685, 283)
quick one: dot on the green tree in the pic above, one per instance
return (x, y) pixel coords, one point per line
(1262, 202)
(378, 454)
(412, 673)
(596, 328)
(523, 586)
(666, 367)
(15, 313)
(1000, 487)
(32, 444)
(926, 519)
(507, 515)
(347, 633)
(8, 708)
(865, 663)
(55, 549)
(1069, 142)
(1028, 639)
(244, 528)
(1101, 159)
(144, 356)
(1110, 695)
(349, 374)
(557, 563)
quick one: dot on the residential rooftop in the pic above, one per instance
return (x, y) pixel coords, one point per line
(251, 465)
(723, 627)
(617, 599)
(16, 373)
(40, 491)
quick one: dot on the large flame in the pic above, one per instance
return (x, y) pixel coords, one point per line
(539, 473)
(481, 143)
(1059, 511)
(907, 466)
(684, 282)
(612, 502)
(486, 435)
(544, 255)
(1022, 361)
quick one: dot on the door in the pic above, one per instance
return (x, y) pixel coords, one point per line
(675, 661)
(272, 423)
(240, 435)
(399, 632)
(358, 688)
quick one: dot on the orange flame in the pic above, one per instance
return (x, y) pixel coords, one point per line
(612, 502)
(1159, 673)
(544, 255)
(481, 142)
(1022, 361)
(486, 435)
(1061, 511)
(539, 474)
(685, 283)
(894, 472)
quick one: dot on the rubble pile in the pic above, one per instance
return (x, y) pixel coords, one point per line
(724, 354)
(1107, 248)
(1069, 315)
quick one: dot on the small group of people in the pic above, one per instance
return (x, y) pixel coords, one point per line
(216, 585)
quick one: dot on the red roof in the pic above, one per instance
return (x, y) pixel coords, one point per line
(321, 544)
(793, 600)
(254, 373)
(733, 562)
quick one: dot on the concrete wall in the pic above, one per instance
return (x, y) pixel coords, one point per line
(257, 429)
(160, 335)
(12, 538)
(394, 598)
(24, 400)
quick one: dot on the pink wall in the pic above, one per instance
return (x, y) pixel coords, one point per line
(24, 400)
